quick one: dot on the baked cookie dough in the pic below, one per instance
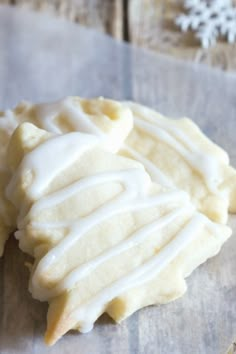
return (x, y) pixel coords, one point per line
(104, 237)
(177, 154)
(109, 120)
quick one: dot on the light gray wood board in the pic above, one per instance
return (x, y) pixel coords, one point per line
(152, 25)
(43, 59)
(149, 24)
(103, 15)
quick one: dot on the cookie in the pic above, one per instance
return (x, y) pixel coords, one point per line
(104, 237)
(177, 154)
(107, 119)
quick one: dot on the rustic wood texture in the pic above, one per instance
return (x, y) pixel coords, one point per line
(151, 25)
(146, 23)
(103, 15)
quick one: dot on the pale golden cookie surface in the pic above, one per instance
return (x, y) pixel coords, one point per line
(105, 238)
(107, 119)
(177, 154)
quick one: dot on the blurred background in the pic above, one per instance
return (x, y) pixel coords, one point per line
(146, 23)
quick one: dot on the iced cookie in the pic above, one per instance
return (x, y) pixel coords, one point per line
(104, 237)
(177, 154)
(108, 120)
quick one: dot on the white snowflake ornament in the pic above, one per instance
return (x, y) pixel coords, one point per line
(210, 19)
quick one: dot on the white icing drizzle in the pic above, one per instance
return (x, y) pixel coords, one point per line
(69, 147)
(133, 198)
(50, 159)
(79, 121)
(47, 116)
(71, 280)
(157, 175)
(138, 237)
(140, 275)
(204, 163)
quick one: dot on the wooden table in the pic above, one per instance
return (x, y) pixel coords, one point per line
(146, 23)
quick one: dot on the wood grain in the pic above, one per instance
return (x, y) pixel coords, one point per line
(146, 23)
(151, 25)
(103, 15)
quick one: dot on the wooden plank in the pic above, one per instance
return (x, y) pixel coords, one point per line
(151, 25)
(103, 15)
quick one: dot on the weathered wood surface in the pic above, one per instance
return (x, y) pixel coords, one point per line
(146, 23)
(151, 25)
(103, 15)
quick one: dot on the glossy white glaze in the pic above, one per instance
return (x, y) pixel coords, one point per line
(204, 163)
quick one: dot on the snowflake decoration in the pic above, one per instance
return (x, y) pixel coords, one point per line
(210, 19)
